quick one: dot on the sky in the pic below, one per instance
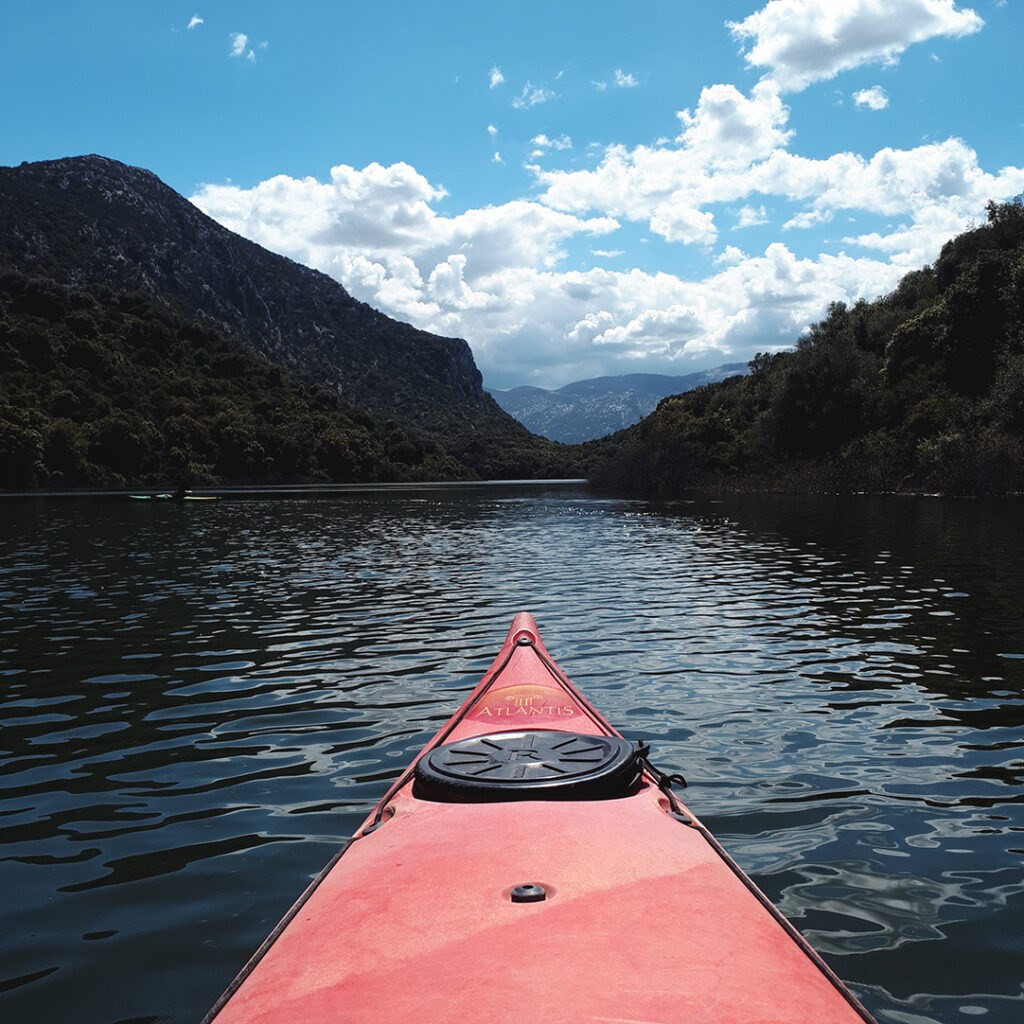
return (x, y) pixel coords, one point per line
(576, 188)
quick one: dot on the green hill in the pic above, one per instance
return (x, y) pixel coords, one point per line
(920, 390)
(141, 342)
(107, 391)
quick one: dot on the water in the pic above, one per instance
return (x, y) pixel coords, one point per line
(200, 701)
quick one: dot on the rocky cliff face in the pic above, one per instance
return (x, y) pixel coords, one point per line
(95, 223)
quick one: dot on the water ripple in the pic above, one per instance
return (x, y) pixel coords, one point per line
(199, 704)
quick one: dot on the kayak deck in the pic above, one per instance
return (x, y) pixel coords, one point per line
(643, 916)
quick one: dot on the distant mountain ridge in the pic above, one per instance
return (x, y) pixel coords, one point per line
(97, 225)
(588, 409)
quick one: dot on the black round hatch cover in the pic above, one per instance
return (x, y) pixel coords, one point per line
(530, 765)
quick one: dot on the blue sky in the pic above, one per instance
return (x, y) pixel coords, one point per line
(575, 188)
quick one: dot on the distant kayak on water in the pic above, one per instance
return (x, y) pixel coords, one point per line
(175, 496)
(531, 864)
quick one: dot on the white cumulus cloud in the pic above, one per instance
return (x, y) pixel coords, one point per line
(624, 80)
(798, 42)
(730, 128)
(751, 217)
(874, 98)
(195, 21)
(730, 256)
(496, 77)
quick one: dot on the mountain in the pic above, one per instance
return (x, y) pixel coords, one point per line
(588, 409)
(105, 230)
(90, 221)
(921, 390)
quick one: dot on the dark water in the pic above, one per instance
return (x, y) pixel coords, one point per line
(198, 702)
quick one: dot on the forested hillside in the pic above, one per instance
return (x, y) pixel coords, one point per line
(141, 342)
(920, 390)
(105, 390)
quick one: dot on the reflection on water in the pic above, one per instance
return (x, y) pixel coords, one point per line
(200, 702)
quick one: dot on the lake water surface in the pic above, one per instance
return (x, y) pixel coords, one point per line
(199, 702)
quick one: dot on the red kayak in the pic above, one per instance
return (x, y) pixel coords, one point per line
(531, 865)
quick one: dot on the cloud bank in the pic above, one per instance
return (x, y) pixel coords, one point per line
(512, 280)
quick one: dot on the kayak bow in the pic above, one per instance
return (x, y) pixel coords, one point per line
(531, 865)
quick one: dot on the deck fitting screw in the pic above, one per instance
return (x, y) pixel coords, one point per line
(529, 892)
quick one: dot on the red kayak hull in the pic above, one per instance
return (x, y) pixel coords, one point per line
(645, 917)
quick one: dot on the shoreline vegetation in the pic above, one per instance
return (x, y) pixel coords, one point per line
(920, 391)
(111, 392)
